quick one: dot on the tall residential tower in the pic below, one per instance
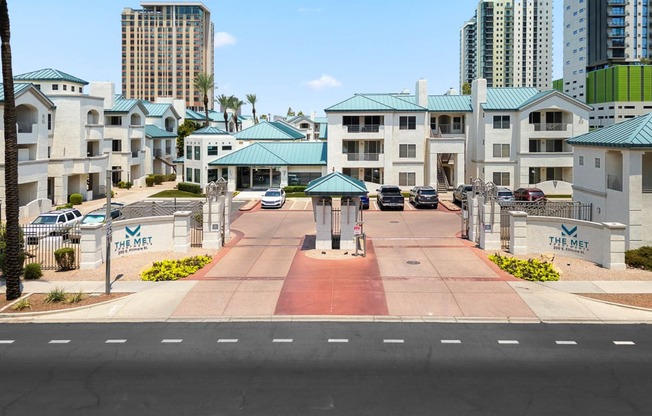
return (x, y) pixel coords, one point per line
(164, 45)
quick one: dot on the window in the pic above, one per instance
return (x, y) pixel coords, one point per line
(501, 122)
(116, 145)
(115, 121)
(212, 150)
(407, 179)
(597, 162)
(197, 176)
(407, 123)
(581, 161)
(49, 121)
(501, 178)
(189, 152)
(407, 150)
(226, 147)
(188, 175)
(304, 126)
(55, 87)
(501, 150)
(65, 87)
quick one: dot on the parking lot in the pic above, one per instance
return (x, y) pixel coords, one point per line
(305, 204)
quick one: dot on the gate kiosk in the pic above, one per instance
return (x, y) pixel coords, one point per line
(335, 228)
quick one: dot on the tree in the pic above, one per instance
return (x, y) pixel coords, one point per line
(264, 117)
(184, 131)
(13, 265)
(204, 83)
(236, 104)
(290, 112)
(225, 103)
(466, 89)
(300, 113)
(251, 98)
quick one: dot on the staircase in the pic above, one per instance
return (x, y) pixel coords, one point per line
(442, 180)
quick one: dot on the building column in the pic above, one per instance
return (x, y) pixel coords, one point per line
(518, 232)
(633, 188)
(614, 246)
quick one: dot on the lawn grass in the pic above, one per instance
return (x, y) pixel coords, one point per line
(173, 193)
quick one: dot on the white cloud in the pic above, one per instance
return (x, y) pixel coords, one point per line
(325, 81)
(224, 39)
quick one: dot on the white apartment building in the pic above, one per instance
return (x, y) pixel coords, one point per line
(468, 51)
(161, 124)
(202, 147)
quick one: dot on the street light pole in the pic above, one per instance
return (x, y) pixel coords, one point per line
(107, 285)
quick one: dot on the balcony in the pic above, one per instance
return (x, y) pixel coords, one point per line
(27, 133)
(550, 126)
(363, 128)
(615, 183)
(94, 132)
(355, 157)
(453, 129)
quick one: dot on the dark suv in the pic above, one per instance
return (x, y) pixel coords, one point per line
(529, 194)
(424, 195)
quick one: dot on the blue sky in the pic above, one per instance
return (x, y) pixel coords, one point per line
(304, 54)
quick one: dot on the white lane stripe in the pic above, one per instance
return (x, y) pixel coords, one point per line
(59, 341)
(115, 341)
(507, 341)
(451, 341)
(624, 343)
(282, 340)
(227, 340)
(6, 341)
(338, 340)
(171, 341)
(393, 341)
(565, 342)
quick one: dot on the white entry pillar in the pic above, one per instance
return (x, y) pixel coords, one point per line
(348, 219)
(322, 210)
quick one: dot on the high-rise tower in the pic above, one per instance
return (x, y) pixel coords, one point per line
(164, 45)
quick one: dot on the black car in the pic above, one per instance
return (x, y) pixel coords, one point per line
(424, 196)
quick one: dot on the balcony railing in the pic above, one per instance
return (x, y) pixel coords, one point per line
(363, 128)
(549, 126)
(24, 127)
(614, 183)
(447, 129)
(351, 157)
(158, 153)
(135, 153)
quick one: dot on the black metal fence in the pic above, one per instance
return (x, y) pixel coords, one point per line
(40, 243)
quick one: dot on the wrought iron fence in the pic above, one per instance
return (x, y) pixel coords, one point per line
(39, 244)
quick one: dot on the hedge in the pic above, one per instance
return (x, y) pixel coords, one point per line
(76, 199)
(189, 187)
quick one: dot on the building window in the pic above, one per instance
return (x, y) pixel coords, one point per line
(55, 87)
(407, 179)
(197, 176)
(501, 122)
(304, 126)
(501, 150)
(581, 161)
(197, 152)
(501, 178)
(407, 150)
(212, 150)
(227, 147)
(189, 152)
(116, 145)
(597, 162)
(407, 123)
(65, 87)
(49, 121)
(188, 174)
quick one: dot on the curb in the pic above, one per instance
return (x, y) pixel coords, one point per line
(249, 205)
(57, 311)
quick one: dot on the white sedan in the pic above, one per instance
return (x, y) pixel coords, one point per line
(273, 198)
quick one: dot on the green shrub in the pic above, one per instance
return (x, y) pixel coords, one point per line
(294, 188)
(149, 181)
(56, 295)
(75, 297)
(158, 179)
(68, 205)
(171, 177)
(640, 258)
(22, 304)
(128, 185)
(65, 258)
(33, 271)
(531, 269)
(121, 185)
(76, 199)
(174, 269)
(189, 187)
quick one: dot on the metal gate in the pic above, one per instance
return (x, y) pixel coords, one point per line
(40, 246)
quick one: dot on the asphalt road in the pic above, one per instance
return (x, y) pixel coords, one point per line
(325, 368)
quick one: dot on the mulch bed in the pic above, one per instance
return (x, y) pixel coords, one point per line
(641, 300)
(37, 302)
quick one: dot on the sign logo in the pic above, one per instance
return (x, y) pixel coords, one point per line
(569, 241)
(133, 241)
(135, 232)
(569, 232)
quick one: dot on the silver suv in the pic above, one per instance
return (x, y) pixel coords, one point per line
(53, 223)
(97, 217)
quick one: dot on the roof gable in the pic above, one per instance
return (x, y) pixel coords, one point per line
(269, 130)
(158, 109)
(208, 131)
(21, 88)
(376, 102)
(49, 74)
(336, 183)
(126, 105)
(156, 132)
(634, 133)
(276, 154)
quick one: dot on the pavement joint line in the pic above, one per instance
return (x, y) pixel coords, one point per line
(393, 341)
(507, 341)
(282, 340)
(565, 342)
(59, 341)
(171, 341)
(451, 341)
(624, 343)
(227, 340)
(115, 341)
(341, 340)
(6, 341)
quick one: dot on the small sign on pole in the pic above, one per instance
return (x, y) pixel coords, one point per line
(109, 232)
(357, 230)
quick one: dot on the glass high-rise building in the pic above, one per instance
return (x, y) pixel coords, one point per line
(164, 45)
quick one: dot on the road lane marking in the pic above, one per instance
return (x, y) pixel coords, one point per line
(171, 341)
(6, 341)
(115, 341)
(280, 340)
(507, 341)
(393, 341)
(59, 341)
(338, 340)
(565, 342)
(624, 343)
(451, 341)
(227, 340)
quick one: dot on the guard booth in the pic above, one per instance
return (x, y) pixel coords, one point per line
(336, 210)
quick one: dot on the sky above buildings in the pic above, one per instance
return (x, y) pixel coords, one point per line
(303, 54)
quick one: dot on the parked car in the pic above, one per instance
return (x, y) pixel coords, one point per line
(273, 198)
(96, 217)
(424, 195)
(529, 194)
(364, 201)
(504, 194)
(390, 196)
(57, 222)
(459, 194)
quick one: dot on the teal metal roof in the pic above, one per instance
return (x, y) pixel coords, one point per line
(376, 102)
(180, 159)
(508, 98)
(336, 183)
(323, 131)
(194, 116)
(156, 132)
(49, 74)
(634, 133)
(449, 103)
(208, 130)
(125, 105)
(276, 154)
(21, 88)
(155, 109)
(269, 130)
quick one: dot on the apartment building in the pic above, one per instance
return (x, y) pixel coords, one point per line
(468, 51)
(513, 43)
(164, 45)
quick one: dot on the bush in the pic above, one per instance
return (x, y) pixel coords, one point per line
(121, 185)
(33, 271)
(158, 179)
(640, 258)
(68, 205)
(531, 269)
(56, 295)
(174, 269)
(22, 304)
(149, 181)
(75, 297)
(294, 188)
(171, 177)
(76, 199)
(189, 187)
(65, 258)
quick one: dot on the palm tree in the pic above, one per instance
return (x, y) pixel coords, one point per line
(236, 104)
(12, 251)
(225, 103)
(204, 83)
(251, 98)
